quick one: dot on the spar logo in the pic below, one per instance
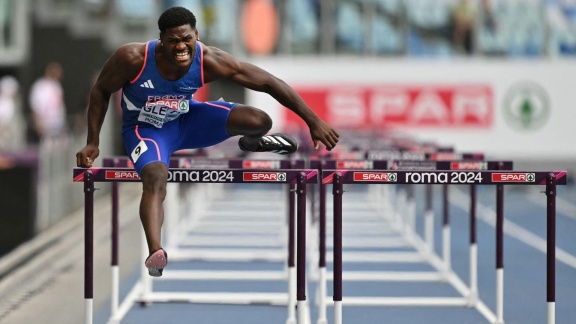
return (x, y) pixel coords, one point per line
(354, 165)
(513, 177)
(375, 176)
(183, 105)
(122, 175)
(468, 166)
(526, 106)
(264, 176)
(255, 164)
(439, 106)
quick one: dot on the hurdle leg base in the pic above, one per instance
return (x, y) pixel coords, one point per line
(88, 311)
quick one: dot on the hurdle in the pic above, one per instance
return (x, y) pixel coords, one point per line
(550, 179)
(410, 238)
(177, 254)
(298, 177)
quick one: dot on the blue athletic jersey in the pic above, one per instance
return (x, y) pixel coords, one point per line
(160, 116)
(150, 100)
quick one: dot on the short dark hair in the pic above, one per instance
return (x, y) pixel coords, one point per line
(176, 17)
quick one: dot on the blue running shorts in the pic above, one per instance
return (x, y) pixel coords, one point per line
(204, 125)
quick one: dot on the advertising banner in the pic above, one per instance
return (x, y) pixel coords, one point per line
(509, 109)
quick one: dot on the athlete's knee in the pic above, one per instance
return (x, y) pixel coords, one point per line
(246, 120)
(262, 120)
(154, 178)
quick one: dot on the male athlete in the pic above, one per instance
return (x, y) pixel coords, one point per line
(159, 116)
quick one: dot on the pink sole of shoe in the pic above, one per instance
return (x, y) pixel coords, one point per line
(156, 261)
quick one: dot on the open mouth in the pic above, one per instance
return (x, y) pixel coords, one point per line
(182, 56)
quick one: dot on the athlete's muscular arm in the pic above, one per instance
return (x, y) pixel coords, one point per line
(120, 68)
(219, 64)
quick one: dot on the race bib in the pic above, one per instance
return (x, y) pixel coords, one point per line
(158, 112)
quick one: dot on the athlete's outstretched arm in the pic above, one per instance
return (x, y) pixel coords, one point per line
(117, 70)
(219, 64)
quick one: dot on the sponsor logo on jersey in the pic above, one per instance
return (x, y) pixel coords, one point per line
(148, 84)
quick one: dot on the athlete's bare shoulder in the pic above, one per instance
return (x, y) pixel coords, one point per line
(129, 59)
(218, 63)
(214, 53)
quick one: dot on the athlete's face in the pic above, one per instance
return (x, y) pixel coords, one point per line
(179, 44)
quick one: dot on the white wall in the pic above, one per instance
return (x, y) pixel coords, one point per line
(549, 141)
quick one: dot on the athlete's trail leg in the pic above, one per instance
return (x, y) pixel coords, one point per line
(154, 179)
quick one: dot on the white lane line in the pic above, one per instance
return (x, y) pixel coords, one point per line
(488, 215)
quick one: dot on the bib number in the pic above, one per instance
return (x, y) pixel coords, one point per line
(158, 113)
(139, 150)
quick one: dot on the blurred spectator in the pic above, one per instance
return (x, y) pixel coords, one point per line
(463, 20)
(429, 28)
(11, 125)
(215, 19)
(304, 17)
(489, 40)
(388, 24)
(222, 27)
(47, 103)
(488, 20)
(561, 19)
(5, 22)
(349, 27)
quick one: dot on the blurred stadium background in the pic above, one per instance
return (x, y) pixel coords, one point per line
(494, 76)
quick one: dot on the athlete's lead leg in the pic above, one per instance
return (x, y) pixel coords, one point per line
(250, 122)
(253, 124)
